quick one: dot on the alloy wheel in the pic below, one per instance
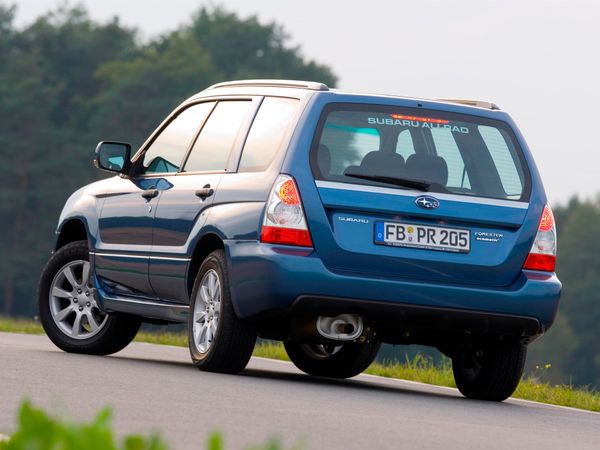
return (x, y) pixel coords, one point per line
(72, 303)
(207, 311)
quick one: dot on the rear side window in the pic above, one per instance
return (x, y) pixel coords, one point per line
(213, 146)
(503, 156)
(267, 133)
(392, 147)
(166, 152)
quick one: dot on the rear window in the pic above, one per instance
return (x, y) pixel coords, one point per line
(442, 152)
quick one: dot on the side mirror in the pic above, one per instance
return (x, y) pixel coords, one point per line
(113, 156)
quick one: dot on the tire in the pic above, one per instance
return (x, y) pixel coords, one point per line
(67, 307)
(218, 340)
(492, 373)
(344, 361)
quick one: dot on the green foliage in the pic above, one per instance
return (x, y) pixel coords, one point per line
(38, 431)
(245, 48)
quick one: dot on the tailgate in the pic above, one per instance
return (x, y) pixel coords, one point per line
(357, 213)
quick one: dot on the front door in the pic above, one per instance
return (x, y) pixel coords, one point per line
(125, 236)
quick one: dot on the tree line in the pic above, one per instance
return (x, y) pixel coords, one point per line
(67, 82)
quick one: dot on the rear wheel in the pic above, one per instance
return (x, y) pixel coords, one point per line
(69, 311)
(330, 360)
(491, 373)
(218, 340)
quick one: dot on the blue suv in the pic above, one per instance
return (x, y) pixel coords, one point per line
(329, 220)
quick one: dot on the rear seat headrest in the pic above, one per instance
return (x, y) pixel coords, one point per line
(324, 159)
(430, 168)
(383, 163)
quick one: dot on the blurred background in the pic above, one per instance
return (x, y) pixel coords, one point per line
(72, 74)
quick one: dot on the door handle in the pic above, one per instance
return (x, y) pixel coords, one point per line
(149, 194)
(205, 192)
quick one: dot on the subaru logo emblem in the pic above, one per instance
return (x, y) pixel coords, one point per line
(426, 202)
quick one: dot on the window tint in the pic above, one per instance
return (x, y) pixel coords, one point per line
(504, 159)
(168, 149)
(347, 144)
(211, 149)
(446, 147)
(267, 132)
(455, 153)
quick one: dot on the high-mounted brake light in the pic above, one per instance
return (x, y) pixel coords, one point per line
(284, 221)
(419, 119)
(542, 255)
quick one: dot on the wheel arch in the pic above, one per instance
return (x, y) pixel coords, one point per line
(204, 247)
(73, 229)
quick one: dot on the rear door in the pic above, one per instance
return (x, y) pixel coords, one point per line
(186, 199)
(421, 194)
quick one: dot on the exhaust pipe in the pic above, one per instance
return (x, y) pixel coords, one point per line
(345, 327)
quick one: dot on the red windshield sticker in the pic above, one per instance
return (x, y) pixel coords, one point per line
(419, 119)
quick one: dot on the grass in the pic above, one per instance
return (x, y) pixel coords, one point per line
(419, 369)
(20, 325)
(162, 338)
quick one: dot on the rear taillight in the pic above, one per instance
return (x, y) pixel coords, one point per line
(284, 221)
(542, 255)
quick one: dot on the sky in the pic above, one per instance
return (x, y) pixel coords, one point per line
(539, 60)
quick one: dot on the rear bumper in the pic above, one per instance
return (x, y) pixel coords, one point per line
(421, 318)
(267, 279)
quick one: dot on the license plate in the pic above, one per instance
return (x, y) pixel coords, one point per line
(422, 236)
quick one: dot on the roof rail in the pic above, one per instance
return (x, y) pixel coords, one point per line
(312, 85)
(478, 103)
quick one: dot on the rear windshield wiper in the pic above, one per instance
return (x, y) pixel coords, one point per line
(396, 181)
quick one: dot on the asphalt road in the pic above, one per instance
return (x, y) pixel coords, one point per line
(154, 387)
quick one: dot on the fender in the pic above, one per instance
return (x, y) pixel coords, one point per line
(84, 205)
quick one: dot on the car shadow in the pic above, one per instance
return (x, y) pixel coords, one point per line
(380, 384)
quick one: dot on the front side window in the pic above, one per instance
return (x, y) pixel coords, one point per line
(410, 148)
(267, 133)
(215, 142)
(166, 152)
